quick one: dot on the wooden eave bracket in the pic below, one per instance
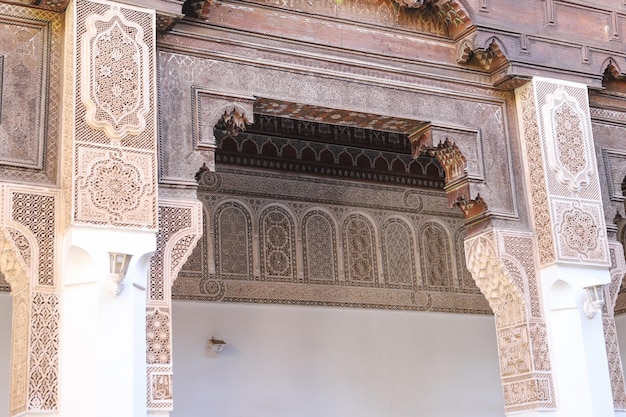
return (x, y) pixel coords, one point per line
(455, 166)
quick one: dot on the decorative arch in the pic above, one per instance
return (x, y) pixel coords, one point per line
(232, 227)
(319, 244)
(436, 251)
(359, 241)
(277, 236)
(398, 251)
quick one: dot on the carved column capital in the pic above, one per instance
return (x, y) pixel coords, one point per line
(503, 266)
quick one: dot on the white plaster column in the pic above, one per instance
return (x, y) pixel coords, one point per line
(563, 192)
(109, 178)
(103, 335)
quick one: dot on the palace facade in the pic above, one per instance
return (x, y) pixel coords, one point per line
(333, 207)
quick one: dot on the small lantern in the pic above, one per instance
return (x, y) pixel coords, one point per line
(595, 299)
(118, 266)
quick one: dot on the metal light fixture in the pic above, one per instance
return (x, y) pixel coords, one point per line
(217, 345)
(118, 266)
(595, 299)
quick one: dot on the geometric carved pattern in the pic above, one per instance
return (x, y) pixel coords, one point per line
(115, 187)
(233, 240)
(44, 352)
(173, 221)
(556, 128)
(538, 196)
(567, 156)
(37, 212)
(36, 316)
(338, 243)
(616, 373)
(111, 130)
(158, 337)
(399, 254)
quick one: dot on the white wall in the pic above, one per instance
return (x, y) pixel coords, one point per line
(5, 351)
(312, 361)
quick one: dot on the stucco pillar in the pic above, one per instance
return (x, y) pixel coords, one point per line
(109, 180)
(28, 255)
(571, 246)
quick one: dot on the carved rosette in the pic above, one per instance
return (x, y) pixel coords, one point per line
(577, 227)
(114, 187)
(115, 88)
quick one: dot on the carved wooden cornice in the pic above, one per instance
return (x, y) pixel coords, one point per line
(232, 122)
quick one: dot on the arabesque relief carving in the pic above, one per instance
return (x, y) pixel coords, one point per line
(556, 131)
(111, 133)
(180, 227)
(115, 82)
(502, 264)
(616, 373)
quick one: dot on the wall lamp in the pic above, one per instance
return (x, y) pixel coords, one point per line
(595, 299)
(118, 266)
(216, 345)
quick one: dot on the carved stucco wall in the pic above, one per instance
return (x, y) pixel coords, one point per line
(30, 82)
(475, 116)
(609, 129)
(563, 175)
(110, 122)
(503, 263)
(27, 261)
(285, 238)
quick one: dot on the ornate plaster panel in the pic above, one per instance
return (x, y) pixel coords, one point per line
(115, 77)
(115, 187)
(111, 132)
(562, 171)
